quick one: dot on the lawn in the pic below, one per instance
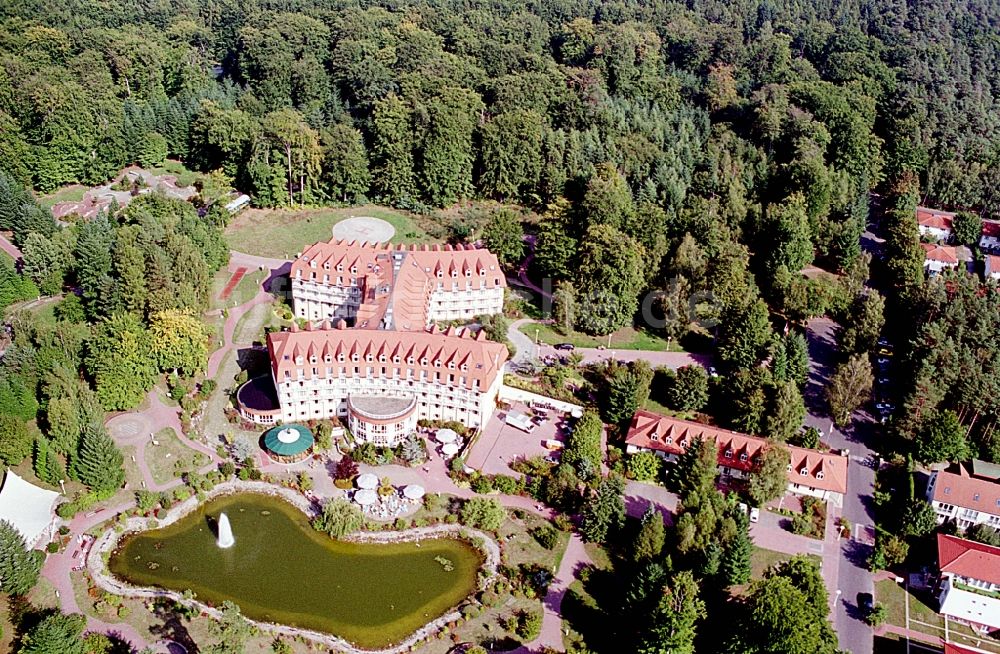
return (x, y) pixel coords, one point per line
(184, 176)
(72, 193)
(171, 457)
(628, 338)
(281, 233)
(245, 291)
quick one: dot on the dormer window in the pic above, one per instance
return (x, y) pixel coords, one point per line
(743, 457)
(312, 359)
(440, 274)
(482, 272)
(466, 367)
(655, 436)
(454, 273)
(451, 365)
(468, 273)
(423, 361)
(354, 270)
(340, 268)
(729, 454)
(409, 361)
(326, 266)
(804, 472)
(381, 358)
(340, 357)
(312, 264)
(298, 361)
(354, 357)
(668, 440)
(820, 475)
(437, 363)
(788, 468)
(395, 359)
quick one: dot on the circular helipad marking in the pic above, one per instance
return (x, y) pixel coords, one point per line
(364, 228)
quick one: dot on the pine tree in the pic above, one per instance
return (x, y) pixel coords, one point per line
(736, 558)
(605, 513)
(100, 464)
(47, 465)
(19, 567)
(649, 540)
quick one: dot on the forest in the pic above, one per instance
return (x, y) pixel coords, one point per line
(708, 148)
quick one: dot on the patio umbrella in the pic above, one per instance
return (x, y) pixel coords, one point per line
(367, 481)
(365, 497)
(446, 435)
(450, 449)
(413, 492)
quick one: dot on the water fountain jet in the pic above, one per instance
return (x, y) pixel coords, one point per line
(225, 539)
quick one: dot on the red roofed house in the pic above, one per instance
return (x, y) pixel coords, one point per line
(939, 257)
(934, 223)
(966, 498)
(990, 240)
(818, 474)
(386, 287)
(991, 266)
(969, 585)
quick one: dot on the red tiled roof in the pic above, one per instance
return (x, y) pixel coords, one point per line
(950, 648)
(968, 558)
(942, 253)
(652, 431)
(992, 264)
(418, 272)
(991, 228)
(431, 351)
(933, 218)
(959, 489)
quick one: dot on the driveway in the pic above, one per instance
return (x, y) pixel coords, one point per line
(854, 576)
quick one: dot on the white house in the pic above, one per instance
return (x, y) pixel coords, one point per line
(939, 257)
(969, 582)
(966, 498)
(934, 223)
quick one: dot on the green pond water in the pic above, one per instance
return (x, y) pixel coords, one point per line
(281, 570)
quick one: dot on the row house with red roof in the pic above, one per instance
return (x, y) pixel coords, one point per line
(968, 587)
(379, 286)
(967, 494)
(818, 474)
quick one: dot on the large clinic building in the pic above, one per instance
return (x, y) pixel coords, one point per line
(371, 355)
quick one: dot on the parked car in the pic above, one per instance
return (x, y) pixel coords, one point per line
(866, 603)
(566, 347)
(884, 351)
(754, 514)
(744, 508)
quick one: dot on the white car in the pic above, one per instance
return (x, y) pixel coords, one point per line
(754, 514)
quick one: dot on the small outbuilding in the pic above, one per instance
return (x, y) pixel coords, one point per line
(288, 443)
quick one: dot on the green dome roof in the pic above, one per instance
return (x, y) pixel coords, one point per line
(288, 440)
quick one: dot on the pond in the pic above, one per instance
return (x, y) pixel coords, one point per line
(281, 570)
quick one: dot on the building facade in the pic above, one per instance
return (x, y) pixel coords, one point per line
(408, 288)
(968, 495)
(969, 582)
(447, 375)
(818, 474)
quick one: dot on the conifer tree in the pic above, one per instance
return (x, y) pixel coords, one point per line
(18, 566)
(99, 464)
(47, 465)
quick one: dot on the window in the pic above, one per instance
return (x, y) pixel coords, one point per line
(655, 436)
(803, 472)
(947, 490)
(975, 498)
(729, 454)
(819, 475)
(743, 457)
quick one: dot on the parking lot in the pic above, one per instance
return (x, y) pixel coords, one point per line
(501, 444)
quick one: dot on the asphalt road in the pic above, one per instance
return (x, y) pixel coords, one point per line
(855, 636)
